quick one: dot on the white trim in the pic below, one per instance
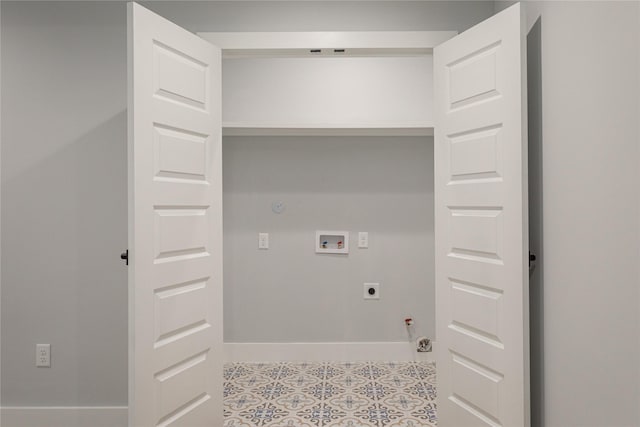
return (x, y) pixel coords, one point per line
(313, 129)
(384, 40)
(324, 351)
(64, 416)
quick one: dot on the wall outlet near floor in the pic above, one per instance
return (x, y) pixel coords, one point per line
(372, 291)
(43, 355)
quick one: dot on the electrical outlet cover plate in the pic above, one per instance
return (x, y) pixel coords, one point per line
(363, 240)
(263, 240)
(372, 291)
(43, 355)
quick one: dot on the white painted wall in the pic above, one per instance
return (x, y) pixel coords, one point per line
(584, 136)
(382, 185)
(63, 173)
(328, 90)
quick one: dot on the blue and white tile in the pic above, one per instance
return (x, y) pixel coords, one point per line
(323, 394)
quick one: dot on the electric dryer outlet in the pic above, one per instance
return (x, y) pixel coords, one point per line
(372, 291)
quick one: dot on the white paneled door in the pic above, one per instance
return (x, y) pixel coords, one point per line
(482, 283)
(175, 225)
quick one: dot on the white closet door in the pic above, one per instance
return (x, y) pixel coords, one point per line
(175, 225)
(482, 282)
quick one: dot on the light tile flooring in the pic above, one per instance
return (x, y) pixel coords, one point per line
(363, 394)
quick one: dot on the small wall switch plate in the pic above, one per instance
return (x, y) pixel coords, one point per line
(263, 240)
(43, 355)
(372, 291)
(363, 240)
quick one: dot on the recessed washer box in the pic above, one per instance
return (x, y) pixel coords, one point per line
(332, 242)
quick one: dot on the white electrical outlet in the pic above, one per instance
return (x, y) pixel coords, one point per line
(372, 291)
(43, 355)
(363, 240)
(263, 240)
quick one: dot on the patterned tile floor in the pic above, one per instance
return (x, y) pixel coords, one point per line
(363, 394)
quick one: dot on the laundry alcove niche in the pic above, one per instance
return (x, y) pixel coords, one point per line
(177, 121)
(341, 139)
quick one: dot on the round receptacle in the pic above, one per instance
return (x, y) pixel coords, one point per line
(372, 291)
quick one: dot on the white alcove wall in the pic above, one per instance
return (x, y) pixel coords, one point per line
(328, 91)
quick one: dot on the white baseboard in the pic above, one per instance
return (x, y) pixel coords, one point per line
(63, 416)
(327, 351)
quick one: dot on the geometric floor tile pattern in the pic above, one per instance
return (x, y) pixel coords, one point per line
(334, 394)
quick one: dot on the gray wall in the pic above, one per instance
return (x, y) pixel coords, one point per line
(63, 173)
(324, 15)
(63, 192)
(64, 203)
(382, 185)
(584, 146)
